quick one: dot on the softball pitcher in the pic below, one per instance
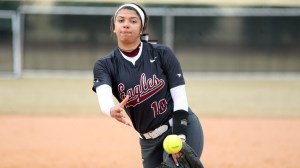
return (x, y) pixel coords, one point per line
(148, 82)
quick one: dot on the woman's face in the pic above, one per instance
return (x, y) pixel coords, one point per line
(127, 26)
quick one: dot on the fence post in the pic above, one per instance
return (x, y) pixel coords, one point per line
(17, 44)
(168, 28)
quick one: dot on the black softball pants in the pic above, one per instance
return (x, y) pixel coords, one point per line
(152, 149)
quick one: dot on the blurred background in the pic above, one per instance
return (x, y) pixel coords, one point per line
(213, 40)
(241, 61)
(207, 36)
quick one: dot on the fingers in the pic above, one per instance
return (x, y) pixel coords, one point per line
(175, 158)
(123, 103)
(119, 115)
(117, 109)
(116, 112)
(120, 118)
(125, 122)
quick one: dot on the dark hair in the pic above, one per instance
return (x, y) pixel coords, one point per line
(112, 20)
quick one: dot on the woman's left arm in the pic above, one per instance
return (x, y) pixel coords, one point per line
(179, 97)
(173, 71)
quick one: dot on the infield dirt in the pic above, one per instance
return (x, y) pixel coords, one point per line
(89, 142)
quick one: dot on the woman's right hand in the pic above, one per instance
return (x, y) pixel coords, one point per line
(117, 112)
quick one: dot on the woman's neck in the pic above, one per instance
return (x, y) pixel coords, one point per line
(129, 47)
(132, 53)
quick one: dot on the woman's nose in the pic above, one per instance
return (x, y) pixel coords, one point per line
(126, 25)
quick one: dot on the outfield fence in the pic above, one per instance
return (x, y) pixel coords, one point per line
(205, 40)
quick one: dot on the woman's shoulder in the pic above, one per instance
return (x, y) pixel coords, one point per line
(106, 60)
(156, 46)
(162, 49)
(110, 55)
(159, 48)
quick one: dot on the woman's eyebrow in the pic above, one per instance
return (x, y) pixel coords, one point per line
(133, 17)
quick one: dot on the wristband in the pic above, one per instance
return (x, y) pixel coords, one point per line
(182, 137)
(180, 121)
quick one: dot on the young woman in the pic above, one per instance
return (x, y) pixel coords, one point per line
(148, 82)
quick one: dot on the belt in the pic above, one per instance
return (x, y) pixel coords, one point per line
(158, 131)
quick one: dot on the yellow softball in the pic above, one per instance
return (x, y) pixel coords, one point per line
(172, 144)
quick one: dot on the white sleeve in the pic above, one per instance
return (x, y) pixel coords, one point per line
(179, 97)
(105, 98)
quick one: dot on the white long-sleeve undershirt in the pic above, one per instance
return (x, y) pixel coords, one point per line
(105, 98)
(179, 97)
(106, 101)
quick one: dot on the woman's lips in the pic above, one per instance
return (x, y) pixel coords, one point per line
(125, 32)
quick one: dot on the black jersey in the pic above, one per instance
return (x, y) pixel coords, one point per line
(147, 83)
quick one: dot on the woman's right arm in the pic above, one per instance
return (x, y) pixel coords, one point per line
(107, 105)
(105, 98)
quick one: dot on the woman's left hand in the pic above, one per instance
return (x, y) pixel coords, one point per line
(177, 155)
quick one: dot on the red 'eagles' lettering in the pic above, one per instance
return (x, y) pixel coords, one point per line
(142, 91)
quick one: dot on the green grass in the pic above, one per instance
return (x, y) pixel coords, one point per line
(257, 98)
(207, 97)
